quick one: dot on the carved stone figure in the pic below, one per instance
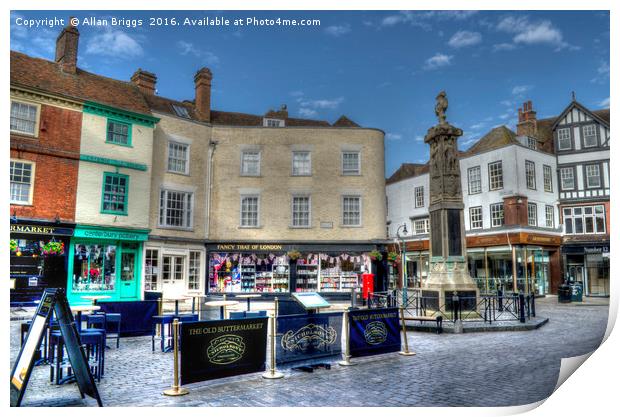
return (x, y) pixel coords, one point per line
(441, 107)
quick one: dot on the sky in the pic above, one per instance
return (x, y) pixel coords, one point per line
(382, 69)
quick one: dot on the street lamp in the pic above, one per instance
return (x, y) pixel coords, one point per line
(403, 259)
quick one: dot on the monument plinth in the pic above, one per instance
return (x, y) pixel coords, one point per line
(448, 251)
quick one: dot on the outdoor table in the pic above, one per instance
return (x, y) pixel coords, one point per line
(248, 297)
(176, 299)
(222, 305)
(78, 311)
(194, 297)
(94, 298)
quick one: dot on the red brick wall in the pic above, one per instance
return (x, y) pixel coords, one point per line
(56, 155)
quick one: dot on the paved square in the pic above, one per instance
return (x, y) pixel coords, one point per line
(472, 369)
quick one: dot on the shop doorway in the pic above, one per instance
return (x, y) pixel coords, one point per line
(128, 274)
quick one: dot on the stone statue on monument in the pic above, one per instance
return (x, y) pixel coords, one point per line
(441, 107)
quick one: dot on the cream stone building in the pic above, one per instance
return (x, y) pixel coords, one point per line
(283, 204)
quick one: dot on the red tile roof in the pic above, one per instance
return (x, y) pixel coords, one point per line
(41, 74)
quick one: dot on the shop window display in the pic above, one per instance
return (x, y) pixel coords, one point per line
(94, 268)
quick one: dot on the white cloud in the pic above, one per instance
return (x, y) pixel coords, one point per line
(322, 103)
(393, 136)
(519, 90)
(604, 103)
(437, 61)
(477, 126)
(304, 112)
(464, 38)
(188, 48)
(114, 43)
(424, 19)
(504, 47)
(338, 30)
(528, 32)
(419, 139)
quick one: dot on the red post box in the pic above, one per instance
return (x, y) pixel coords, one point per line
(368, 285)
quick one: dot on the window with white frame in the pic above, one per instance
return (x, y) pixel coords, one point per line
(351, 210)
(530, 175)
(176, 209)
(549, 216)
(531, 142)
(564, 140)
(475, 217)
(474, 180)
(421, 226)
(532, 214)
(23, 118)
(301, 211)
(567, 178)
(590, 138)
(584, 219)
(548, 178)
(151, 270)
(497, 214)
(350, 163)
(249, 211)
(172, 268)
(178, 158)
(302, 164)
(250, 163)
(21, 178)
(496, 176)
(593, 176)
(273, 122)
(193, 277)
(419, 196)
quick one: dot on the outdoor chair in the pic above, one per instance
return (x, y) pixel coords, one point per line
(164, 322)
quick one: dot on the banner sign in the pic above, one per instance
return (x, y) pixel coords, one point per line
(308, 336)
(221, 348)
(372, 332)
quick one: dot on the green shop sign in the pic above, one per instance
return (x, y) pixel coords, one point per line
(112, 234)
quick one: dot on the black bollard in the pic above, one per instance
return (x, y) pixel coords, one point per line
(500, 298)
(521, 307)
(533, 298)
(455, 307)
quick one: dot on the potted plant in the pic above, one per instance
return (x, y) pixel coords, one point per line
(52, 248)
(375, 255)
(293, 255)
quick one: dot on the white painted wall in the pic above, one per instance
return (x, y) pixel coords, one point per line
(401, 199)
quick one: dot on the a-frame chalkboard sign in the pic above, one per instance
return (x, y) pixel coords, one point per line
(53, 300)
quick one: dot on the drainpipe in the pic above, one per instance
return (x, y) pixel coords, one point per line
(212, 146)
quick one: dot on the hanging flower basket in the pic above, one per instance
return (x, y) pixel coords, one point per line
(13, 245)
(293, 255)
(53, 248)
(375, 255)
(392, 256)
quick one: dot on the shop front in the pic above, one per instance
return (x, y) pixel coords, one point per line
(174, 267)
(105, 261)
(588, 264)
(38, 257)
(284, 268)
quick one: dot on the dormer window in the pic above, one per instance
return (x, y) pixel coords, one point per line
(181, 111)
(590, 138)
(531, 143)
(273, 122)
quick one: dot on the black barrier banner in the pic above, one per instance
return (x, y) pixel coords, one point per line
(307, 336)
(372, 332)
(220, 348)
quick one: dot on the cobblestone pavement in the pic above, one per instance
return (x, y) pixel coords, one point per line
(471, 369)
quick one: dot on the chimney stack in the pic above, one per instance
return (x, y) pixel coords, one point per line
(67, 48)
(202, 82)
(527, 125)
(145, 81)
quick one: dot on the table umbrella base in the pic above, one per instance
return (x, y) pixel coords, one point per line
(406, 353)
